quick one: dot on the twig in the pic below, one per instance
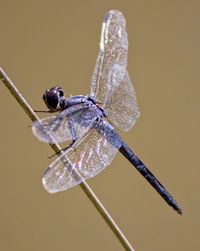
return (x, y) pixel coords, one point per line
(85, 187)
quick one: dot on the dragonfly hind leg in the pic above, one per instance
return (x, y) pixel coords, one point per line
(74, 138)
(63, 149)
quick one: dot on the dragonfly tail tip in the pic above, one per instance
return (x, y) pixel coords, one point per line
(179, 210)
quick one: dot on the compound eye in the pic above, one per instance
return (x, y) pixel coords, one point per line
(45, 95)
(52, 100)
(61, 92)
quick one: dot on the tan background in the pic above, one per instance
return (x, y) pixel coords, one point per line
(43, 43)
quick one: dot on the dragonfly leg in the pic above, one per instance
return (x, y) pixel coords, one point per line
(48, 111)
(74, 138)
(63, 149)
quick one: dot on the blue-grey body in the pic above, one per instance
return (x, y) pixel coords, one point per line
(88, 121)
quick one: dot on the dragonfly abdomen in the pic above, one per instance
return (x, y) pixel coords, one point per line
(148, 175)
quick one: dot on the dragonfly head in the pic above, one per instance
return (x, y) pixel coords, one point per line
(53, 98)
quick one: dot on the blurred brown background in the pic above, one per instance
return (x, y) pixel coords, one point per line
(43, 43)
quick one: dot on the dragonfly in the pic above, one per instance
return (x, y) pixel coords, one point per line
(89, 121)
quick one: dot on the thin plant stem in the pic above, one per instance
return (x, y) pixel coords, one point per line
(85, 187)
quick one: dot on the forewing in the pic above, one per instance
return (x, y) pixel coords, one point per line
(60, 128)
(112, 58)
(89, 156)
(122, 109)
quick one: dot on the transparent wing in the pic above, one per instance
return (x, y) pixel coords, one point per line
(122, 109)
(89, 156)
(112, 58)
(70, 124)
